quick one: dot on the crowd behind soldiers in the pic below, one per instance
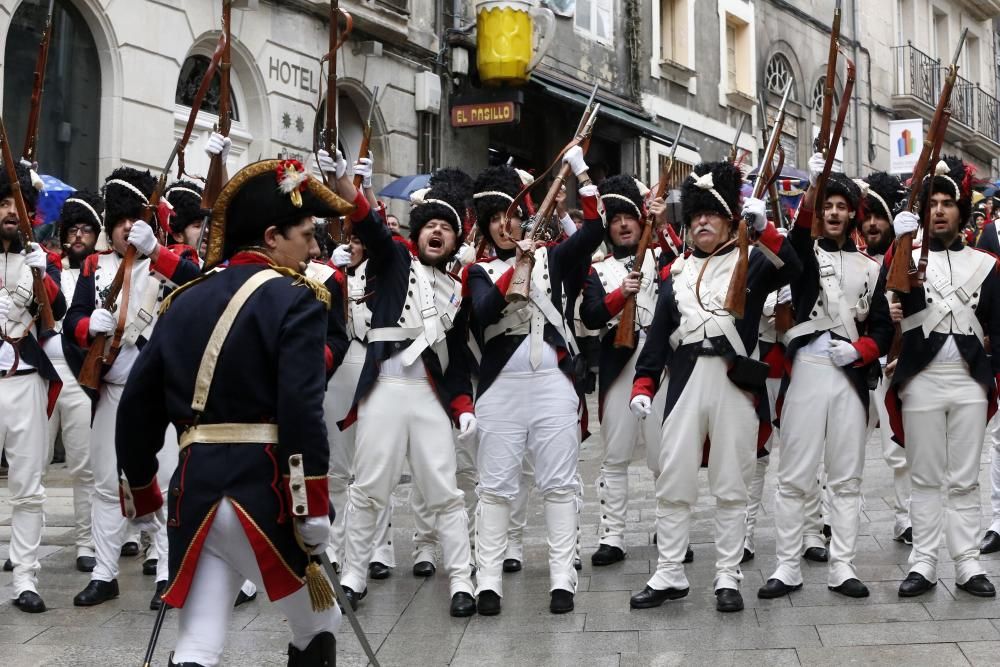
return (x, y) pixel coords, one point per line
(425, 357)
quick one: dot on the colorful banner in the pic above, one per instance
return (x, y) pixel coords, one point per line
(905, 139)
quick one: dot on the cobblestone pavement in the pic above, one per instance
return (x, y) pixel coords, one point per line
(408, 624)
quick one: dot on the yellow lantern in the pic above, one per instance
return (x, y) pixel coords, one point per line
(507, 49)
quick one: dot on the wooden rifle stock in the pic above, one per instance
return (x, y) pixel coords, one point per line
(330, 139)
(46, 319)
(41, 62)
(217, 172)
(736, 296)
(823, 138)
(831, 152)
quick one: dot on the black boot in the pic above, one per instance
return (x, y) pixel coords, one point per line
(149, 567)
(30, 602)
(171, 663)
(511, 565)
(321, 652)
(96, 592)
(424, 568)
(561, 601)
(354, 597)
(606, 555)
(488, 603)
(157, 600)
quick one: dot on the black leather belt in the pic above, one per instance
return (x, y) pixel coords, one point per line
(25, 371)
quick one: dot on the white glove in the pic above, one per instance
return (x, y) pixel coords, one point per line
(905, 223)
(466, 255)
(589, 190)
(329, 165)
(785, 294)
(5, 305)
(341, 256)
(756, 211)
(142, 237)
(816, 164)
(36, 258)
(641, 406)
(101, 322)
(574, 158)
(314, 531)
(26, 164)
(147, 523)
(466, 426)
(218, 145)
(843, 353)
(364, 168)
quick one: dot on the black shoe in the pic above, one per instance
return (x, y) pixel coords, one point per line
(728, 599)
(991, 543)
(96, 592)
(488, 603)
(424, 568)
(511, 565)
(8, 566)
(157, 601)
(171, 663)
(378, 570)
(130, 549)
(654, 597)
(852, 588)
(747, 555)
(462, 605)
(907, 537)
(979, 586)
(243, 598)
(915, 585)
(31, 602)
(689, 555)
(817, 554)
(86, 563)
(353, 598)
(775, 588)
(606, 555)
(577, 564)
(321, 652)
(561, 601)
(149, 567)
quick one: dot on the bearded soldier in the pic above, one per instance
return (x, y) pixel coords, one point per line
(944, 389)
(715, 380)
(29, 385)
(609, 284)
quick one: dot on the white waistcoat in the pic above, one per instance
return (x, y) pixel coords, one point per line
(708, 319)
(952, 292)
(612, 273)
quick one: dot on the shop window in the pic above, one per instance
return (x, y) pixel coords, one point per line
(674, 32)
(69, 125)
(192, 73)
(595, 19)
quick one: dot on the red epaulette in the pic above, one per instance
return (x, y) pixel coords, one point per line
(53, 258)
(90, 264)
(185, 251)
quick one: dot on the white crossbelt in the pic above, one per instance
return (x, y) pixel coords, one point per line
(951, 300)
(839, 311)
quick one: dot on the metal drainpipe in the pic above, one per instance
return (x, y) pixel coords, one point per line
(857, 105)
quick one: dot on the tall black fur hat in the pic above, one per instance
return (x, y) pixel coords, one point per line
(620, 194)
(839, 184)
(492, 180)
(126, 194)
(185, 198)
(446, 198)
(698, 193)
(29, 193)
(75, 211)
(885, 192)
(953, 177)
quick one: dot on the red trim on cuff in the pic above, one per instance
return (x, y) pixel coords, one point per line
(82, 332)
(382, 214)
(503, 284)
(615, 302)
(328, 359)
(771, 239)
(362, 207)
(146, 499)
(868, 349)
(805, 218)
(460, 405)
(643, 386)
(166, 262)
(589, 205)
(317, 496)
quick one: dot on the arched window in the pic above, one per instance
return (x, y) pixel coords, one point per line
(192, 73)
(777, 75)
(818, 94)
(69, 125)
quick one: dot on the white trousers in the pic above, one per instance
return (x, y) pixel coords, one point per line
(23, 438)
(709, 406)
(403, 418)
(756, 490)
(227, 560)
(71, 420)
(336, 404)
(895, 458)
(467, 477)
(944, 417)
(621, 431)
(109, 526)
(822, 420)
(993, 438)
(519, 511)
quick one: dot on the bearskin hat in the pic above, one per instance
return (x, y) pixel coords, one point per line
(621, 194)
(712, 186)
(487, 198)
(951, 176)
(883, 195)
(839, 184)
(28, 191)
(185, 198)
(446, 198)
(126, 194)
(83, 207)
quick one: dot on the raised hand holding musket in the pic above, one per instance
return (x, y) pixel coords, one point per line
(329, 135)
(819, 180)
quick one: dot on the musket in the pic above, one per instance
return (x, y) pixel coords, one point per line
(625, 335)
(736, 296)
(363, 150)
(97, 360)
(47, 321)
(217, 172)
(899, 276)
(520, 284)
(734, 147)
(823, 138)
(329, 136)
(41, 62)
(772, 188)
(819, 192)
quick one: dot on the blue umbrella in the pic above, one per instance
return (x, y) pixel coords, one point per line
(404, 186)
(51, 199)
